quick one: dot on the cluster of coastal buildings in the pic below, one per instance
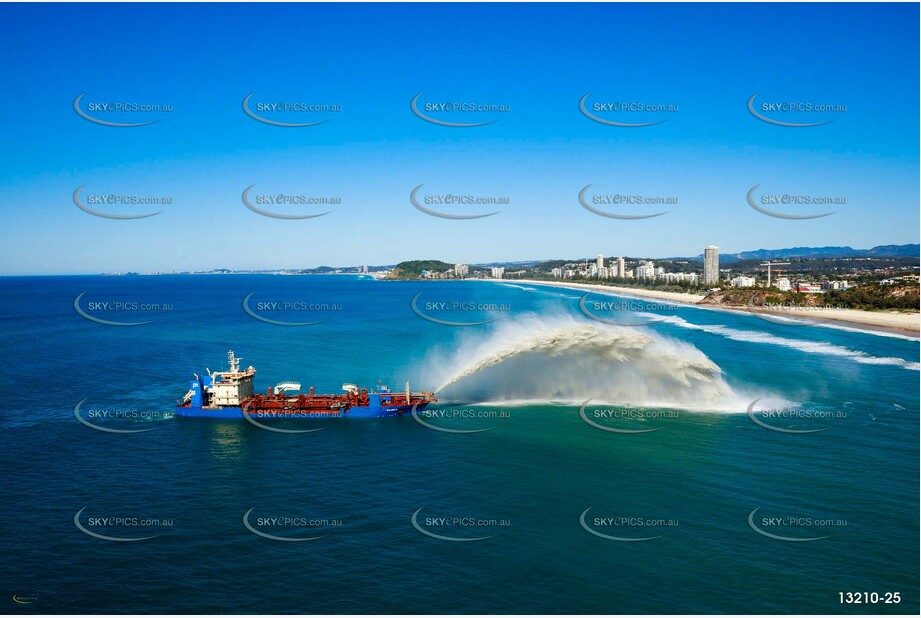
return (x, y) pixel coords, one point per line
(601, 268)
(711, 276)
(615, 268)
(462, 271)
(646, 271)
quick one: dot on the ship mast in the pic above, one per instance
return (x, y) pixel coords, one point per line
(233, 361)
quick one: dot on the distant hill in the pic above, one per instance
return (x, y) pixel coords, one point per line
(413, 268)
(881, 251)
(894, 251)
(519, 264)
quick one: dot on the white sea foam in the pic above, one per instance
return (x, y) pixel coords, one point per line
(803, 345)
(778, 319)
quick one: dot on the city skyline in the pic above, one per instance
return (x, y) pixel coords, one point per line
(486, 263)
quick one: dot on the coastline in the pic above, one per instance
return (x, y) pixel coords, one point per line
(870, 321)
(675, 297)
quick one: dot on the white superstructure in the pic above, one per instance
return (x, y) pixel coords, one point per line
(229, 388)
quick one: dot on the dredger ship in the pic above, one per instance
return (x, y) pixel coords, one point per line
(230, 394)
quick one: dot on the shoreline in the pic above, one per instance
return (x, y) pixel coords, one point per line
(905, 324)
(680, 298)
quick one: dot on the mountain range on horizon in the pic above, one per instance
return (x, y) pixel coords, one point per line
(879, 251)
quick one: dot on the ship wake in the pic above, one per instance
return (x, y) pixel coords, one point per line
(563, 360)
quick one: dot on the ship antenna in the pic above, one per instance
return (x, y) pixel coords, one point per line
(234, 362)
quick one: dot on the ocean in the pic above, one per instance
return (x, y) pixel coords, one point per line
(637, 458)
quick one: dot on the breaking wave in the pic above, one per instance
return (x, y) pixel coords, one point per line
(803, 345)
(519, 287)
(561, 360)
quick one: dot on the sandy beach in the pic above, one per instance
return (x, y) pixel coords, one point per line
(675, 297)
(878, 321)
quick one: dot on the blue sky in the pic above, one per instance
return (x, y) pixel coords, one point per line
(372, 59)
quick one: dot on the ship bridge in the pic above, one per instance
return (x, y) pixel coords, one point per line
(229, 388)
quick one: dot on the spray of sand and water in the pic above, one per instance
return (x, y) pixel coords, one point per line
(559, 359)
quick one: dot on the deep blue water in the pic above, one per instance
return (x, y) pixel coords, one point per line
(530, 477)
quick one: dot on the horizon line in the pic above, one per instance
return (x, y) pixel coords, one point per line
(535, 261)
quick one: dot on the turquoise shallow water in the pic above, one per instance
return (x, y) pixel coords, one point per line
(692, 483)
